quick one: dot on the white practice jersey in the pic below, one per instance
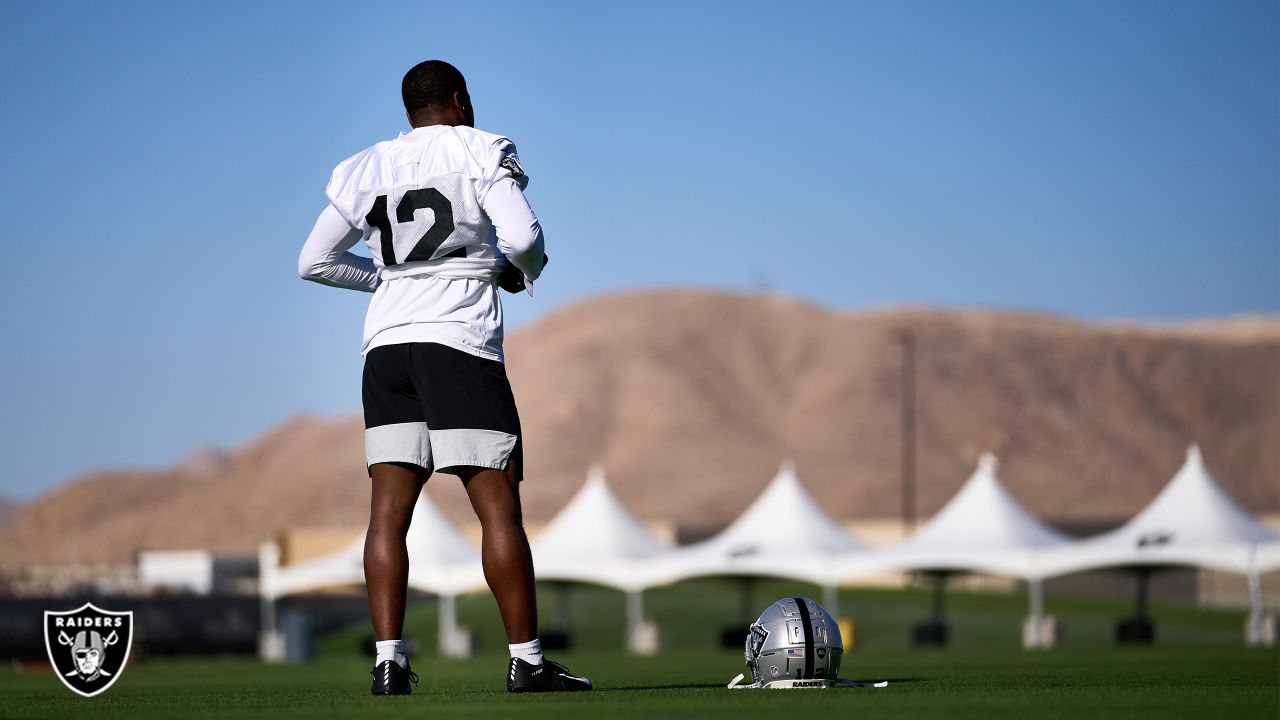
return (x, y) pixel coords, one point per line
(442, 211)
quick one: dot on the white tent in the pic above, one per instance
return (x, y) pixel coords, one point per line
(983, 527)
(1191, 522)
(441, 561)
(783, 533)
(1268, 557)
(341, 567)
(594, 539)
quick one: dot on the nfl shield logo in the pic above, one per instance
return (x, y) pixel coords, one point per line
(88, 646)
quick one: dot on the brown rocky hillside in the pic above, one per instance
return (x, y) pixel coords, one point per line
(690, 399)
(8, 511)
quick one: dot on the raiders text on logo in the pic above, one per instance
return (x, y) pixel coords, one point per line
(88, 646)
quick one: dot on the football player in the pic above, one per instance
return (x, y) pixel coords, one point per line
(443, 213)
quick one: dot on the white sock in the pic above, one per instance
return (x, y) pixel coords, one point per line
(391, 650)
(530, 652)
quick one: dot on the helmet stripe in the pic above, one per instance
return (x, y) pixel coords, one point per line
(807, 626)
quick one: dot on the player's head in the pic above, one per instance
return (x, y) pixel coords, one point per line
(435, 93)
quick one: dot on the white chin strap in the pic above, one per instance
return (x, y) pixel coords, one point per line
(789, 684)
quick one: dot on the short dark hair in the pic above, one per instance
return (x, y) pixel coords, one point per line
(431, 84)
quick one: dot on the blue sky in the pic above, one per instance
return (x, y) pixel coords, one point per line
(164, 162)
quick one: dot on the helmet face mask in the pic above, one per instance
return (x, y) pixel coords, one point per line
(794, 642)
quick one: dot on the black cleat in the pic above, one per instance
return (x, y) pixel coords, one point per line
(547, 677)
(391, 679)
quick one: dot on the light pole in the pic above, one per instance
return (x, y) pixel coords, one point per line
(906, 339)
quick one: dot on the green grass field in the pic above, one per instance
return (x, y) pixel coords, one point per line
(1197, 668)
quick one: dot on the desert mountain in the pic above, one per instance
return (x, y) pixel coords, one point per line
(690, 399)
(8, 511)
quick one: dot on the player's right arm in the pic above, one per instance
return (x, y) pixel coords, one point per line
(325, 258)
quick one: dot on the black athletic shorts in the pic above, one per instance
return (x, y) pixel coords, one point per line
(431, 405)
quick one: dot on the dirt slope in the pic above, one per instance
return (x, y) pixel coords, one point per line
(690, 399)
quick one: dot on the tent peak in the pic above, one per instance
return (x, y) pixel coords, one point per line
(595, 475)
(982, 515)
(988, 461)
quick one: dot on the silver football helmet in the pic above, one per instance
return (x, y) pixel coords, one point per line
(794, 643)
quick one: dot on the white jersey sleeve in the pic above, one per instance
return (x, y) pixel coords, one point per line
(501, 161)
(324, 257)
(518, 231)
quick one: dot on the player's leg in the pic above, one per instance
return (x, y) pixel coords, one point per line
(396, 487)
(475, 434)
(504, 550)
(508, 568)
(398, 454)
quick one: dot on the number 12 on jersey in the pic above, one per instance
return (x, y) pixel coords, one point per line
(413, 201)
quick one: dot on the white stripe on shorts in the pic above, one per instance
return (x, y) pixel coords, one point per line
(478, 448)
(401, 442)
(414, 443)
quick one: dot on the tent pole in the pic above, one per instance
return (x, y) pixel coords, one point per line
(268, 565)
(831, 600)
(1144, 577)
(448, 625)
(1036, 589)
(748, 601)
(1256, 609)
(562, 608)
(635, 616)
(939, 583)
(268, 614)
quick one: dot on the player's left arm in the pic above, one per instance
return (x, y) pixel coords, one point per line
(520, 236)
(325, 258)
(502, 199)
